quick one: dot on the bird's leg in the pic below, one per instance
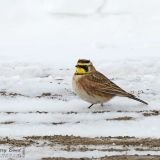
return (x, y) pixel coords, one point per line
(102, 105)
(90, 105)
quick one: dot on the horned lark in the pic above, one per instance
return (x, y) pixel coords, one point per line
(93, 87)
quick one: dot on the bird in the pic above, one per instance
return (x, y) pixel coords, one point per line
(94, 87)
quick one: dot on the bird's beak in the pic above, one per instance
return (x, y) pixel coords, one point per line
(77, 66)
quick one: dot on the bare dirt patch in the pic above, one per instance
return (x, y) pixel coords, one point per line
(43, 95)
(15, 142)
(109, 158)
(11, 94)
(151, 113)
(7, 122)
(73, 140)
(50, 95)
(131, 158)
(125, 118)
(84, 144)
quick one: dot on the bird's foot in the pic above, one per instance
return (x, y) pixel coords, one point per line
(90, 106)
(102, 104)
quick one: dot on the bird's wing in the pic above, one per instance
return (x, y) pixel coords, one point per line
(99, 83)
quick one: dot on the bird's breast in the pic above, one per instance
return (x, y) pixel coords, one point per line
(86, 93)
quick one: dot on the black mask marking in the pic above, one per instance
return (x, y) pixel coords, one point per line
(85, 67)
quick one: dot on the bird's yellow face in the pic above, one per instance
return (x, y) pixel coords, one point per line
(84, 67)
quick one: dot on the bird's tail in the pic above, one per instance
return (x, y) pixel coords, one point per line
(137, 99)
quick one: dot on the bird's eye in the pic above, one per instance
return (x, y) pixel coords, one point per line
(85, 68)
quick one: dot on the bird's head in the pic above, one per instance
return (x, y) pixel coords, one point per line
(84, 67)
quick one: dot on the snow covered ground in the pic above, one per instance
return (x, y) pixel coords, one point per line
(40, 43)
(32, 88)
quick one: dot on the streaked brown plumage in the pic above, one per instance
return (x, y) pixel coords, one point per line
(94, 87)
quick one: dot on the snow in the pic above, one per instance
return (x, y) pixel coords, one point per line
(31, 33)
(40, 43)
(93, 154)
(78, 154)
(32, 80)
